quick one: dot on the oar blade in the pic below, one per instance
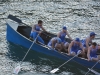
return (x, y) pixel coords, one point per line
(17, 69)
(54, 70)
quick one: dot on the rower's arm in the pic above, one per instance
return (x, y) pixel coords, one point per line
(90, 42)
(88, 53)
(69, 48)
(58, 35)
(68, 35)
(98, 47)
(81, 46)
(52, 43)
(43, 29)
(87, 42)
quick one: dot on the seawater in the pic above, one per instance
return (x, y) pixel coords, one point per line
(80, 16)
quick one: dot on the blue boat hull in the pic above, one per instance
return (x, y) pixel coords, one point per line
(17, 38)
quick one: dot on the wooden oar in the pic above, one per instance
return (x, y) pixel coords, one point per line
(92, 67)
(56, 69)
(17, 69)
(95, 72)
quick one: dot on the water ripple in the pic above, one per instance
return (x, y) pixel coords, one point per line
(80, 16)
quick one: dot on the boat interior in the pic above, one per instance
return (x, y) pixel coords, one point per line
(26, 30)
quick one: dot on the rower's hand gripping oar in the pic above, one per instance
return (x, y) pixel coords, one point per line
(17, 69)
(92, 67)
(56, 69)
(14, 18)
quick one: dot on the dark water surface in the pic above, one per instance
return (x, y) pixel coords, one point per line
(80, 16)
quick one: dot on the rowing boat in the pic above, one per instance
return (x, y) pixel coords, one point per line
(19, 33)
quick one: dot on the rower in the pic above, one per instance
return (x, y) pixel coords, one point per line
(92, 52)
(55, 43)
(62, 34)
(74, 47)
(36, 30)
(88, 41)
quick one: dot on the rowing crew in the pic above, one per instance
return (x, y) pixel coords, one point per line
(74, 47)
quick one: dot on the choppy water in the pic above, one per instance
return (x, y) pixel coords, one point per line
(80, 16)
